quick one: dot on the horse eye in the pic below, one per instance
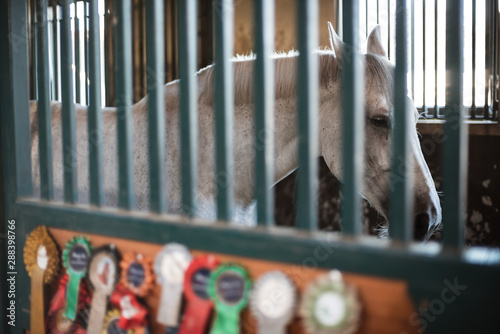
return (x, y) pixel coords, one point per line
(380, 121)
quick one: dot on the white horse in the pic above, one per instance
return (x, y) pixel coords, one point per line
(378, 97)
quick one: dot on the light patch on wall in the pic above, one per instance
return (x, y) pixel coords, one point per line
(486, 183)
(486, 200)
(476, 217)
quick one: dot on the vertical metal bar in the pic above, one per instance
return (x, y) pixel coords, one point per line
(95, 118)
(34, 61)
(473, 108)
(15, 119)
(123, 79)
(264, 111)
(55, 45)
(76, 35)
(402, 182)
(50, 42)
(412, 38)
(366, 18)
(223, 17)
(15, 140)
(352, 97)
(436, 107)
(189, 118)
(68, 108)
(44, 112)
(108, 53)
(340, 20)
(456, 146)
(487, 60)
(86, 49)
(389, 29)
(307, 94)
(378, 13)
(424, 106)
(495, 61)
(156, 105)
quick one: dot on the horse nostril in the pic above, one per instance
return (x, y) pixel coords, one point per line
(421, 226)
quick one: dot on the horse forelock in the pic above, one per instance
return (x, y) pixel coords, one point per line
(378, 75)
(285, 76)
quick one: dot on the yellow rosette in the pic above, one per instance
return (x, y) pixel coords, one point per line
(41, 258)
(110, 325)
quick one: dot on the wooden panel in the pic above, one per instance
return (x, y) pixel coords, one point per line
(386, 304)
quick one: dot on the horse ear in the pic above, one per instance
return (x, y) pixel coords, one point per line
(375, 43)
(335, 42)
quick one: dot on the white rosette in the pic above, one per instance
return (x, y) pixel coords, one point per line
(170, 265)
(330, 305)
(272, 301)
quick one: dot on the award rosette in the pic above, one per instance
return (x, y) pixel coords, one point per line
(272, 301)
(170, 266)
(330, 305)
(229, 288)
(110, 325)
(41, 259)
(132, 313)
(75, 259)
(103, 275)
(137, 273)
(198, 302)
(57, 323)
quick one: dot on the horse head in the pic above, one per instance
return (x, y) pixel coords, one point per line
(378, 92)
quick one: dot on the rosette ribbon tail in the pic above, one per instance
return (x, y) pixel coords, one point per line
(169, 308)
(227, 322)
(37, 315)
(72, 292)
(97, 313)
(195, 318)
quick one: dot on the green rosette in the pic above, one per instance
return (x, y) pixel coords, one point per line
(229, 287)
(75, 258)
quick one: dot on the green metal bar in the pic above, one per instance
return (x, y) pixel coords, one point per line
(55, 39)
(340, 19)
(389, 29)
(34, 60)
(436, 107)
(424, 105)
(401, 201)
(488, 38)
(15, 152)
(187, 24)
(366, 18)
(156, 106)
(223, 24)
(76, 35)
(456, 146)
(473, 108)
(15, 125)
(264, 111)
(307, 93)
(412, 41)
(324, 250)
(68, 109)
(353, 115)
(44, 112)
(123, 80)
(95, 103)
(86, 48)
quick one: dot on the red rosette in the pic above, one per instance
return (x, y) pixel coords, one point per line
(132, 313)
(198, 302)
(56, 323)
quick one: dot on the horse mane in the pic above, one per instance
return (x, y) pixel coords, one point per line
(285, 76)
